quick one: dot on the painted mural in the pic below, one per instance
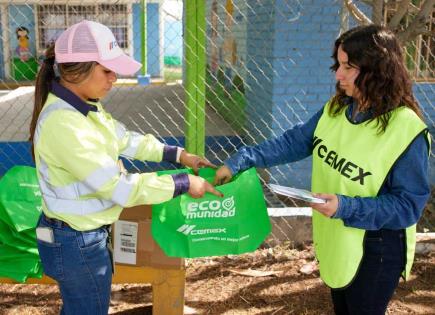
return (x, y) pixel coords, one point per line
(24, 65)
(22, 50)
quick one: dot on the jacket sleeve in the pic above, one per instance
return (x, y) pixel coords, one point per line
(77, 151)
(138, 146)
(401, 200)
(293, 145)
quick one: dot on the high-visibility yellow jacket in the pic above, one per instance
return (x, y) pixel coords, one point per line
(76, 153)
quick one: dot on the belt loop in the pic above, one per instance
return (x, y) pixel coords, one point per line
(57, 223)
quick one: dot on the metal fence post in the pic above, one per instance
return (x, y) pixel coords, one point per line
(195, 59)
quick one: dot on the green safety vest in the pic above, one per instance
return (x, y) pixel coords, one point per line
(354, 160)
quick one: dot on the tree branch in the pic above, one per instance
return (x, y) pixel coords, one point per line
(357, 13)
(344, 18)
(418, 25)
(400, 13)
(428, 33)
(377, 8)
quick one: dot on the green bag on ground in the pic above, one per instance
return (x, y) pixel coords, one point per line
(20, 208)
(21, 240)
(21, 198)
(19, 265)
(211, 226)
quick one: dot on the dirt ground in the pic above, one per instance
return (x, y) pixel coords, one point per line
(279, 280)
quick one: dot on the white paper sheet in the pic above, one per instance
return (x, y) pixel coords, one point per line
(295, 193)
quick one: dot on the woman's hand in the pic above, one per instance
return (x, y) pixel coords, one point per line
(329, 208)
(223, 175)
(199, 186)
(194, 162)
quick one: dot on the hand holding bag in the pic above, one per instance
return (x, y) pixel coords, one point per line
(212, 226)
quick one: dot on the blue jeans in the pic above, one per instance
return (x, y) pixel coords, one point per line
(81, 264)
(377, 277)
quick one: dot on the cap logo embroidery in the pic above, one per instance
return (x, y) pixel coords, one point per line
(113, 45)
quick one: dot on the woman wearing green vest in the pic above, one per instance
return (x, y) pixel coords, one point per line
(76, 146)
(370, 150)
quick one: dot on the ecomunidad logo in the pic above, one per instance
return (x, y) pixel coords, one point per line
(212, 209)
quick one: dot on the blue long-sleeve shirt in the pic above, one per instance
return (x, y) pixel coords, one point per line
(400, 201)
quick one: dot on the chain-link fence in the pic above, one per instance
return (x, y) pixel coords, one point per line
(420, 59)
(267, 69)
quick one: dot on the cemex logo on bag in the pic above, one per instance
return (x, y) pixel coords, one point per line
(189, 229)
(36, 192)
(211, 209)
(186, 229)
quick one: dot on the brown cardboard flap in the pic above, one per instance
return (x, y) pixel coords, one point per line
(149, 252)
(146, 241)
(136, 213)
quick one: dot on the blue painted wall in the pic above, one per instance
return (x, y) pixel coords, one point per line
(260, 81)
(425, 95)
(14, 153)
(153, 36)
(289, 44)
(304, 82)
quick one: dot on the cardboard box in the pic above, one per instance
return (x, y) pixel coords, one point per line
(133, 243)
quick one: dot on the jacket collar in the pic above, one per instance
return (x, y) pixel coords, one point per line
(72, 99)
(360, 116)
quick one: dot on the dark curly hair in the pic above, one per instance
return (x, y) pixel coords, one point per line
(383, 81)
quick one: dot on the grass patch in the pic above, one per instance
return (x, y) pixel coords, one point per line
(171, 74)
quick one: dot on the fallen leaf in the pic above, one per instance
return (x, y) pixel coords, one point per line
(308, 268)
(190, 310)
(255, 273)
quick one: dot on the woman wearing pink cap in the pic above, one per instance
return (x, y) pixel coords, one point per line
(76, 146)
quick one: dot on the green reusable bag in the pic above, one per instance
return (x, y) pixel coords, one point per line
(24, 241)
(20, 208)
(212, 226)
(21, 198)
(19, 265)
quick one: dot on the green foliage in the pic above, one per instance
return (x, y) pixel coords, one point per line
(409, 56)
(220, 76)
(238, 84)
(230, 102)
(171, 74)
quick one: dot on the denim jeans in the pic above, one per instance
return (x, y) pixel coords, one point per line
(81, 264)
(377, 277)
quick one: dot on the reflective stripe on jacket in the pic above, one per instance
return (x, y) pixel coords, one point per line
(77, 161)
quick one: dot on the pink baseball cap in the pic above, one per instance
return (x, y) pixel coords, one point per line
(92, 41)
